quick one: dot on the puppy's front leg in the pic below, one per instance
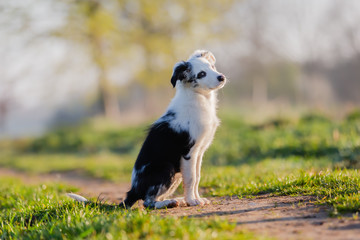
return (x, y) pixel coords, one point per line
(204, 201)
(188, 171)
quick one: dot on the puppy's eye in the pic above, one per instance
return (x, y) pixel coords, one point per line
(201, 74)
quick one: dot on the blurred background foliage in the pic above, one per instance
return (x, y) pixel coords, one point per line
(112, 30)
(66, 61)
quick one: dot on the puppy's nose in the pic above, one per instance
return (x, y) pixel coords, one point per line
(221, 78)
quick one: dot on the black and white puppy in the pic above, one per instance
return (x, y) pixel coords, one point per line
(176, 142)
(175, 145)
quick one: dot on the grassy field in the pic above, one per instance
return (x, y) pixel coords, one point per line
(43, 212)
(313, 155)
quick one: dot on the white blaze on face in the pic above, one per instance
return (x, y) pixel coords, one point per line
(200, 67)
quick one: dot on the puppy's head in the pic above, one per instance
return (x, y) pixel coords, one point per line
(198, 73)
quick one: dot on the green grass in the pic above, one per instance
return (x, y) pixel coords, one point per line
(43, 212)
(340, 188)
(310, 137)
(236, 141)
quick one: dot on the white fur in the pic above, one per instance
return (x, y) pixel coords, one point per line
(172, 189)
(77, 197)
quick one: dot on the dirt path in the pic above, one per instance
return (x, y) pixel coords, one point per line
(282, 217)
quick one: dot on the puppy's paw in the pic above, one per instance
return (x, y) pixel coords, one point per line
(181, 201)
(205, 201)
(194, 202)
(166, 204)
(173, 203)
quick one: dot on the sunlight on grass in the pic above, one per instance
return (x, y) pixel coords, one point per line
(339, 188)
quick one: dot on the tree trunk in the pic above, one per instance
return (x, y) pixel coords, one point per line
(259, 94)
(3, 114)
(108, 100)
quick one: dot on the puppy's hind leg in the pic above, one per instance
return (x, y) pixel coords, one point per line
(169, 203)
(174, 185)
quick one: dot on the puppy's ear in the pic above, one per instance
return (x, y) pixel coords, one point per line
(204, 54)
(181, 71)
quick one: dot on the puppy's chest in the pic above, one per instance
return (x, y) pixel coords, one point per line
(197, 122)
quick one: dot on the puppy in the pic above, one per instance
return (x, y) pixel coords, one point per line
(176, 142)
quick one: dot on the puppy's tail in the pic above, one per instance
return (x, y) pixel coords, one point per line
(77, 197)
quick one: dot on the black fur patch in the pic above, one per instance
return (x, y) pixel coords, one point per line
(160, 154)
(170, 115)
(181, 72)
